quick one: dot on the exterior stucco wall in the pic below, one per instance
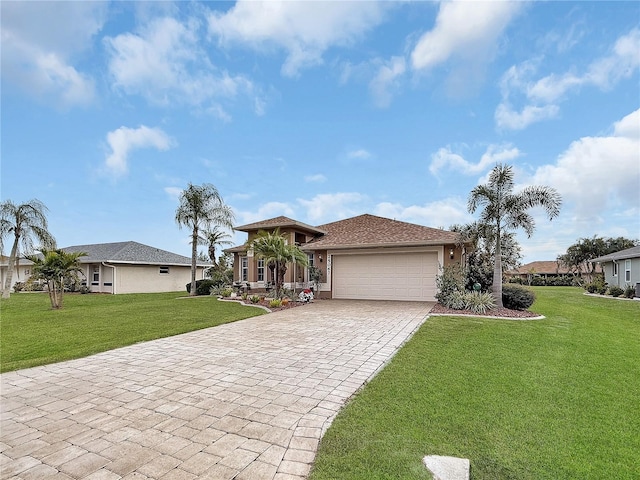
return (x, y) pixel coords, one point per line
(20, 274)
(148, 279)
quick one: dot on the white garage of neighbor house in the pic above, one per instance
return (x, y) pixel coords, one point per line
(364, 257)
(125, 267)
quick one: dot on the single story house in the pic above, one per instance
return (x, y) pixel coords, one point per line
(364, 257)
(124, 267)
(621, 268)
(545, 269)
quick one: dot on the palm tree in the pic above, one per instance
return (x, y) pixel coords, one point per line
(201, 207)
(277, 253)
(54, 267)
(505, 210)
(213, 238)
(28, 223)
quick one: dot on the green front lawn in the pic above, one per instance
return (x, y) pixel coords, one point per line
(546, 399)
(32, 334)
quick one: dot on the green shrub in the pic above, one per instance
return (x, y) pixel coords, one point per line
(591, 287)
(479, 302)
(450, 284)
(275, 303)
(203, 287)
(517, 298)
(18, 287)
(226, 292)
(615, 291)
(629, 291)
(254, 299)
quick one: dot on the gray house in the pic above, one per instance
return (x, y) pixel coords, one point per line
(125, 267)
(621, 268)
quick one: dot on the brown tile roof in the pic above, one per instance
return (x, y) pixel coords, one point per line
(541, 267)
(370, 230)
(273, 223)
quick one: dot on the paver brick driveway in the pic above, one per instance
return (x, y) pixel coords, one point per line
(246, 400)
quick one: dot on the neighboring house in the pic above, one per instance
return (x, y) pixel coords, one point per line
(621, 268)
(21, 273)
(364, 257)
(125, 267)
(544, 269)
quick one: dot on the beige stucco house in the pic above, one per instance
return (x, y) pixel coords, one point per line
(364, 257)
(124, 267)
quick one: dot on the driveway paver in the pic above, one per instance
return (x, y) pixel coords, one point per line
(247, 400)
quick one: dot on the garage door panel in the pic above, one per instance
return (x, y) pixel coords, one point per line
(396, 276)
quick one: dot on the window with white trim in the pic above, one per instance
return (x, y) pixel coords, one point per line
(261, 269)
(96, 275)
(310, 257)
(627, 270)
(164, 270)
(244, 269)
(615, 269)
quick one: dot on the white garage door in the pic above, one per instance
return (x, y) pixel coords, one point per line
(389, 276)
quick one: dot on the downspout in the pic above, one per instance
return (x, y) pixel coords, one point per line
(113, 278)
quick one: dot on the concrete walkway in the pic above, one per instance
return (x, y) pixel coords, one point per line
(247, 400)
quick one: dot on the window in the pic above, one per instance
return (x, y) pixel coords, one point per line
(261, 270)
(164, 270)
(627, 270)
(615, 269)
(96, 275)
(244, 269)
(310, 257)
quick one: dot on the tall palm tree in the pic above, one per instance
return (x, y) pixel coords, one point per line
(201, 207)
(505, 210)
(54, 267)
(214, 238)
(27, 223)
(277, 253)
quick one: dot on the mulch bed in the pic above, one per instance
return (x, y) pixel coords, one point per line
(265, 303)
(496, 312)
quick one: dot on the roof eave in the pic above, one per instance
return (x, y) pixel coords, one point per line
(430, 243)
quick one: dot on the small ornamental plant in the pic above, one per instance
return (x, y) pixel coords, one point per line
(306, 295)
(275, 303)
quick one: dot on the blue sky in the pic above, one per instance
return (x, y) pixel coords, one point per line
(319, 111)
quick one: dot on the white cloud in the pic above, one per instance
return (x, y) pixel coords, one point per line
(359, 154)
(507, 117)
(164, 63)
(446, 158)
(438, 214)
(40, 41)
(265, 211)
(317, 178)
(327, 207)
(387, 81)
(123, 140)
(305, 30)
(599, 174)
(542, 96)
(173, 192)
(463, 29)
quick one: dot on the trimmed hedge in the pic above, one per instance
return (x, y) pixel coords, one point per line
(517, 298)
(203, 287)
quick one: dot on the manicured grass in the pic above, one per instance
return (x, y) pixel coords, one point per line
(32, 334)
(546, 399)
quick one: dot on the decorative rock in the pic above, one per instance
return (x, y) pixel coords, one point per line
(447, 468)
